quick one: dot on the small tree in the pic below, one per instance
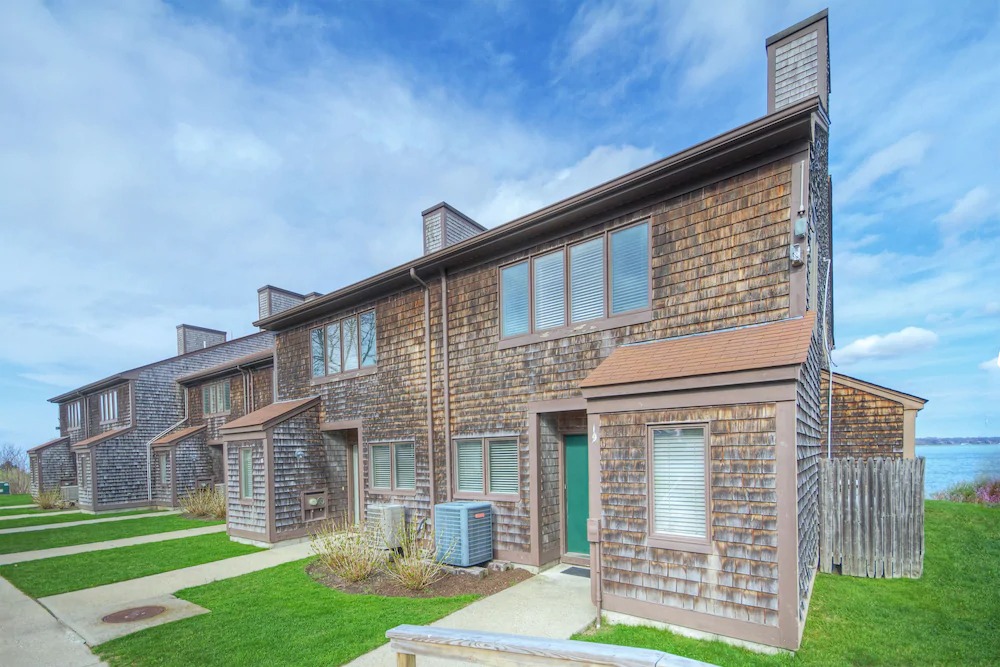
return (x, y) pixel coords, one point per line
(14, 468)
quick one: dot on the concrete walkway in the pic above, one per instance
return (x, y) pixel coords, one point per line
(552, 604)
(30, 636)
(38, 554)
(83, 610)
(27, 516)
(19, 507)
(67, 524)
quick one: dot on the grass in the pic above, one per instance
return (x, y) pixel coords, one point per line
(16, 499)
(51, 576)
(64, 518)
(949, 616)
(27, 510)
(278, 616)
(97, 532)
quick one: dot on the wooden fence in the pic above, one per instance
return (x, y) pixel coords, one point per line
(872, 517)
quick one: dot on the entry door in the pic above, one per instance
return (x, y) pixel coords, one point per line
(577, 499)
(356, 485)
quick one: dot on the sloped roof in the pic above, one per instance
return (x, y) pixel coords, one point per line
(908, 400)
(232, 364)
(269, 415)
(177, 436)
(782, 343)
(42, 446)
(101, 437)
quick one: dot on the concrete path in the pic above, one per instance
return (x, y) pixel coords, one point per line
(552, 604)
(19, 507)
(67, 524)
(38, 554)
(83, 610)
(30, 636)
(26, 516)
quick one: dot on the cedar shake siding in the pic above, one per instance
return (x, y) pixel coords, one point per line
(246, 517)
(52, 465)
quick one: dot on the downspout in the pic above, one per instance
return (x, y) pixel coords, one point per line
(430, 407)
(829, 365)
(446, 381)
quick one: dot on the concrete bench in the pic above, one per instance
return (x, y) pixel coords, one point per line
(493, 648)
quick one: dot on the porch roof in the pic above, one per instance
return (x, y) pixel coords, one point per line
(761, 346)
(177, 436)
(100, 437)
(269, 415)
(54, 441)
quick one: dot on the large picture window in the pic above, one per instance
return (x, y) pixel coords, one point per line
(599, 278)
(345, 345)
(215, 398)
(487, 466)
(393, 467)
(678, 472)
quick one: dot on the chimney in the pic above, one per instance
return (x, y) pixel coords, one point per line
(191, 338)
(444, 225)
(798, 64)
(272, 300)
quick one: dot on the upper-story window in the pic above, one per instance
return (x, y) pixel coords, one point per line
(73, 415)
(215, 398)
(109, 406)
(598, 278)
(345, 345)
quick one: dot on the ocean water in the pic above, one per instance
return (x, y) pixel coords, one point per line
(948, 464)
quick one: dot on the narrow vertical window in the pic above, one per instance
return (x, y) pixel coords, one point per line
(469, 464)
(381, 464)
(333, 349)
(514, 316)
(164, 472)
(586, 280)
(349, 328)
(550, 290)
(503, 466)
(368, 350)
(679, 466)
(317, 353)
(246, 473)
(630, 269)
(406, 468)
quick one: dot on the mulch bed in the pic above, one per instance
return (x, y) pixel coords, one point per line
(449, 585)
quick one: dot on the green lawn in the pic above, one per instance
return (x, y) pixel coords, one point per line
(949, 616)
(97, 532)
(16, 499)
(27, 510)
(64, 518)
(278, 616)
(51, 576)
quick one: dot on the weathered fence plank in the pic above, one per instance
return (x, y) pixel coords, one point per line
(872, 517)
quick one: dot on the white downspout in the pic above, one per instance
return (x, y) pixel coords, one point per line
(829, 365)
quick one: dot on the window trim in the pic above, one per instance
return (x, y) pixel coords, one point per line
(675, 542)
(245, 500)
(204, 398)
(342, 374)
(485, 441)
(70, 425)
(101, 405)
(392, 489)
(569, 328)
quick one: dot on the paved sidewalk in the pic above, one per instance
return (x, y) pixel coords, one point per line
(552, 604)
(67, 524)
(38, 554)
(30, 636)
(83, 610)
(26, 516)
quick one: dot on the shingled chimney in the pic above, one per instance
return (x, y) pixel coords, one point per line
(445, 225)
(191, 338)
(798, 64)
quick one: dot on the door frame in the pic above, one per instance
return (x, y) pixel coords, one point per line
(582, 560)
(355, 497)
(354, 425)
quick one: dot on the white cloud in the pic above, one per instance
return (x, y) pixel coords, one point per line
(896, 344)
(973, 206)
(904, 153)
(991, 365)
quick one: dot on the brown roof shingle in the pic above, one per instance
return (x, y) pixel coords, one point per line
(101, 437)
(782, 343)
(232, 364)
(42, 446)
(269, 414)
(177, 436)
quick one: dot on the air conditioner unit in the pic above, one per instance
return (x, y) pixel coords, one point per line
(463, 533)
(391, 520)
(69, 494)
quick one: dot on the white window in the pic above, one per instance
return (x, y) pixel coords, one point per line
(215, 399)
(678, 479)
(73, 415)
(393, 467)
(487, 465)
(109, 406)
(246, 473)
(345, 345)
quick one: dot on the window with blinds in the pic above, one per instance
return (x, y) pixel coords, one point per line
(550, 291)
(215, 398)
(678, 471)
(514, 299)
(586, 280)
(487, 465)
(469, 463)
(246, 473)
(406, 466)
(381, 464)
(503, 466)
(109, 406)
(73, 415)
(630, 269)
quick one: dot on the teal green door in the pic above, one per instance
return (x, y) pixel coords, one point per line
(577, 497)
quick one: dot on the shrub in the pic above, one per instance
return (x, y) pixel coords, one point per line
(207, 502)
(48, 500)
(982, 491)
(416, 565)
(351, 552)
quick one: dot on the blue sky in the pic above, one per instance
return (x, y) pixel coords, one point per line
(160, 161)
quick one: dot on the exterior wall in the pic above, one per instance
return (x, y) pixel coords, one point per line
(864, 425)
(738, 578)
(246, 516)
(300, 464)
(124, 410)
(261, 394)
(55, 463)
(262, 387)
(85, 470)
(163, 494)
(120, 472)
(808, 438)
(192, 461)
(75, 435)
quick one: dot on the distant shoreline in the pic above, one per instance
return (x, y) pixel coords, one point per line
(992, 440)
